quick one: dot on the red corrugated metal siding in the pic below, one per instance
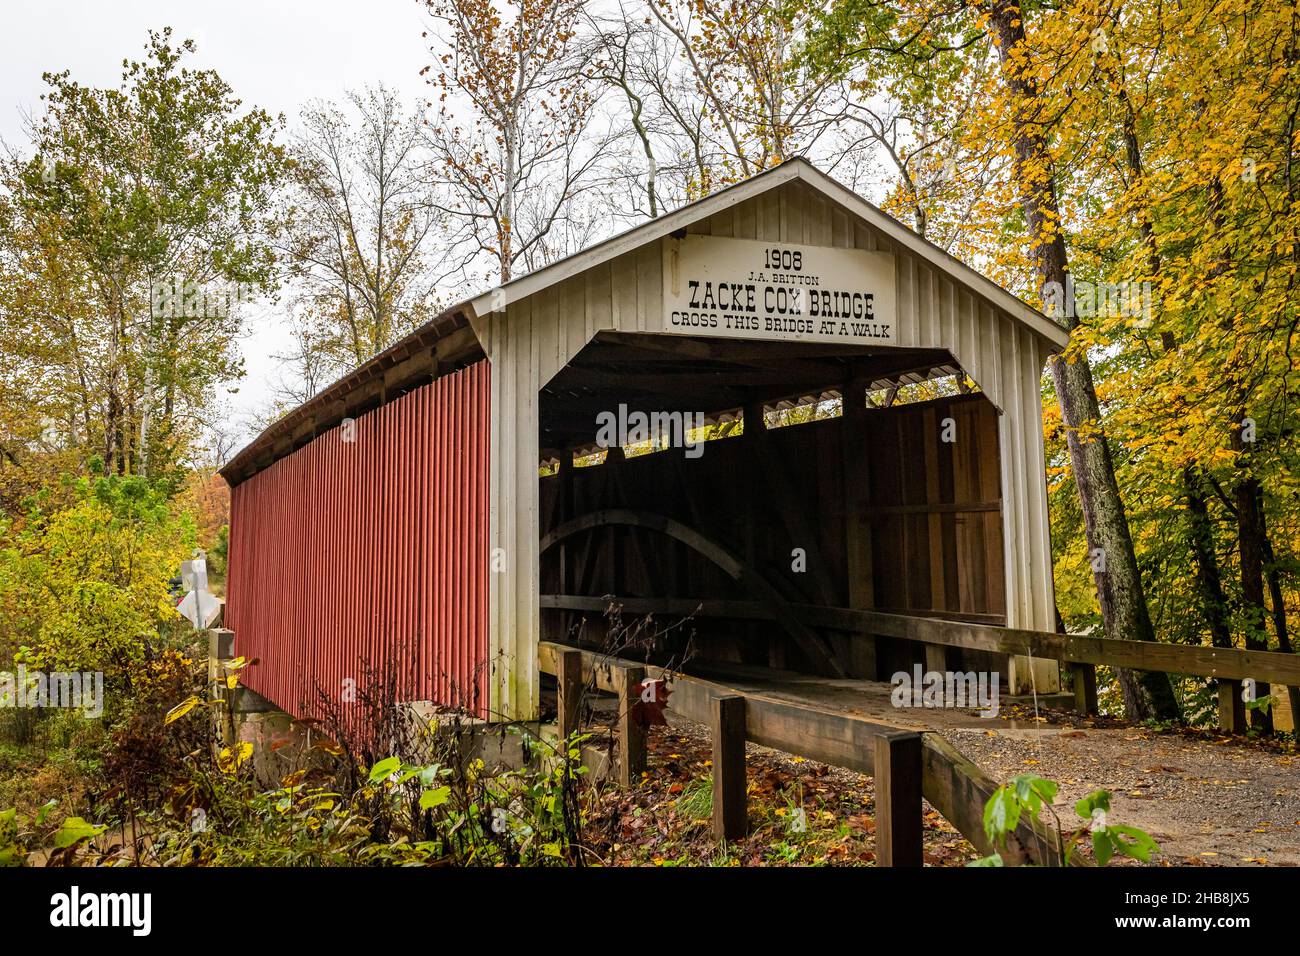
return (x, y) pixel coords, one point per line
(370, 552)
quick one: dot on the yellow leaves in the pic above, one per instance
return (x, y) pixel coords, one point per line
(232, 668)
(181, 709)
(290, 780)
(1088, 431)
(231, 759)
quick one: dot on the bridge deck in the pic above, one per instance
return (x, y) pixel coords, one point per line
(871, 700)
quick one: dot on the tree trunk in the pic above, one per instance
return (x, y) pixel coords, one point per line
(1274, 578)
(507, 224)
(1214, 603)
(112, 433)
(1251, 547)
(1119, 582)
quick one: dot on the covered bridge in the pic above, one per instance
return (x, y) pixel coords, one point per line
(490, 481)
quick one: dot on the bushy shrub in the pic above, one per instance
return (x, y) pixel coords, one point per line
(84, 586)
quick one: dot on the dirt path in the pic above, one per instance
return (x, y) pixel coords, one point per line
(1205, 798)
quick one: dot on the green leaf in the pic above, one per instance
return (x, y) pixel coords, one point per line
(42, 813)
(1097, 800)
(1001, 813)
(1103, 846)
(1139, 844)
(434, 798)
(994, 859)
(74, 830)
(384, 769)
(1033, 792)
(426, 774)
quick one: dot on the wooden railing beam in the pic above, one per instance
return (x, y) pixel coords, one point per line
(1195, 660)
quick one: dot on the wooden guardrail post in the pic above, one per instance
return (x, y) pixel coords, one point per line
(730, 799)
(899, 839)
(1085, 688)
(1232, 709)
(568, 674)
(631, 735)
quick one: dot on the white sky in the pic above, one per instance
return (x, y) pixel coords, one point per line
(276, 54)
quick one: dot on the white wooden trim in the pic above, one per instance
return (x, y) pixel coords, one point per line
(798, 168)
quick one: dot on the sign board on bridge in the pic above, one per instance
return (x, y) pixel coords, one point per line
(742, 288)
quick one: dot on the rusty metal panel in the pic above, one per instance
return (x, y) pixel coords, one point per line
(361, 559)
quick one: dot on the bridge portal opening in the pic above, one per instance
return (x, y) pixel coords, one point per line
(736, 502)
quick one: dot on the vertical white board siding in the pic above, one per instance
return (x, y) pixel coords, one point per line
(949, 330)
(841, 229)
(649, 287)
(932, 314)
(906, 289)
(769, 216)
(1026, 536)
(1045, 593)
(794, 205)
(623, 286)
(535, 337)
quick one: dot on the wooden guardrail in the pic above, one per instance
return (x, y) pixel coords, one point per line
(1080, 653)
(907, 765)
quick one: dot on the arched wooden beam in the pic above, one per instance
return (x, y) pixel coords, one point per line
(748, 578)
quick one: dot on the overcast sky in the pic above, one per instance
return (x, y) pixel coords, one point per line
(276, 54)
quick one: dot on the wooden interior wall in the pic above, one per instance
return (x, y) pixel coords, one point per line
(931, 509)
(935, 509)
